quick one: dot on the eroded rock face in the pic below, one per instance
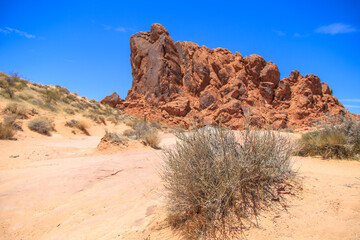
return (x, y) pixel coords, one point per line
(183, 83)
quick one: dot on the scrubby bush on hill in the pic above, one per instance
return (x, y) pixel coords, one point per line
(41, 125)
(19, 110)
(211, 179)
(82, 125)
(338, 139)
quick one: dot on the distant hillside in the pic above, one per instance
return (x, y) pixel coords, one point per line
(22, 101)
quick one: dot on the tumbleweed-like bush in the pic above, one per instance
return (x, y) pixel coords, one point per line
(212, 178)
(340, 138)
(41, 125)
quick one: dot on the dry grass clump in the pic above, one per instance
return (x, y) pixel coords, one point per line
(10, 121)
(143, 130)
(41, 125)
(6, 132)
(113, 138)
(338, 139)
(14, 108)
(152, 138)
(211, 179)
(128, 133)
(82, 125)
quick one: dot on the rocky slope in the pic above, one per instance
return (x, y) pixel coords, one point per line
(181, 83)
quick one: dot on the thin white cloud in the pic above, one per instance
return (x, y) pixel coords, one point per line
(352, 106)
(120, 29)
(8, 30)
(298, 35)
(280, 33)
(116, 29)
(350, 100)
(335, 28)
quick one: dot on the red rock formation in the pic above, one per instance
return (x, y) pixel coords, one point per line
(112, 100)
(183, 83)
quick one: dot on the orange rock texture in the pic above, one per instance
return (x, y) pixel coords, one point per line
(181, 83)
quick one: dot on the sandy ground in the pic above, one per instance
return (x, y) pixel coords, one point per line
(62, 188)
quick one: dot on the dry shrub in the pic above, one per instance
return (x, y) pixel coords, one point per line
(82, 125)
(69, 111)
(10, 122)
(6, 131)
(129, 133)
(114, 138)
(152, 138)
(155, 125)
(211, 179)
(340, 138)
(143, 130)
(41, 125)
(14, 108)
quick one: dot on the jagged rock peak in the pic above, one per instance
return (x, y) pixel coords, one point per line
(183, 83)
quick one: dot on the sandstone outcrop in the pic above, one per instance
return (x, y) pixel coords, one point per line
(183, 83)
(112, 100)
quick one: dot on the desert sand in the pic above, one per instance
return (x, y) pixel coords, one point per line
(63, 188)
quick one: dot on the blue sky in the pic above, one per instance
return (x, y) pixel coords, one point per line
(84, 45)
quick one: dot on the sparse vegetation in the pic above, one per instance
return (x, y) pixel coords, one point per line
(41, 125)
(6, 131)
(14, 108)
(143, 130)
(152, 138)
(129, 133)
(114, 138)
(338, 139)
(211, 179)
(82, 125)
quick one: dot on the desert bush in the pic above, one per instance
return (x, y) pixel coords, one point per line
(62, 90)
(114, 119)
(82, 125)
(10, 122)
(25, 96)
(41, 125)
(51, 96)
(128, 133)
(155, 125)
(96, 118)
(19, 110)
(152, 138)
(6, 132)
(78, 105)
(211, 179)
(141, 128)
(340, 138)
(69, 111)
(113, 137)
(49, 106)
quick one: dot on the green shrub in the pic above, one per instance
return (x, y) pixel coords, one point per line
(41, 125)
(211, 179)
